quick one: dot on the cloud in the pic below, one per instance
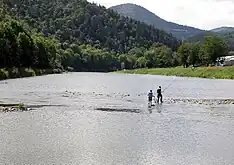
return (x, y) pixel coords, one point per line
(204, 14)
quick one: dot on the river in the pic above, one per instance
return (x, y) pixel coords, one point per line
(69, 128)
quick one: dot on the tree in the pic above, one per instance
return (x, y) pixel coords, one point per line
(213, 48)
(193, 57)
(25, 48)
(141, 62)
(184, 52)
(159, 56)
(189, 54)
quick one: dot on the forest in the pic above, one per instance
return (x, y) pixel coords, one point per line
(81, 36)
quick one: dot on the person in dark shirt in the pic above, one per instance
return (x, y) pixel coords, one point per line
(150, 96)
(159, 94)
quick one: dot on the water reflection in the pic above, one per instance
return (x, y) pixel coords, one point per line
(159, 107)
(150, 110)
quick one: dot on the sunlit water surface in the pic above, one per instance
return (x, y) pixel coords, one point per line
(72, 131)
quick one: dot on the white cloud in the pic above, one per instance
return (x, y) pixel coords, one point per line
(204, 14)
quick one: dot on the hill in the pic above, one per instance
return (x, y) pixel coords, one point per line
(86, 23)
(227, 36)
(141, 14)
(79, 36)
(223, 30)
(200, 37)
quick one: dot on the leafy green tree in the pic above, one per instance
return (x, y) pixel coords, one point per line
(213, 48)
(141, 62)
(184, 52)
(159, 56)
(193, 57)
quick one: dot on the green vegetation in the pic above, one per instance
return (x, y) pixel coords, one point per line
(195, 54)
(42, 37)
(227, 36)
(13, 107)
(22, 107)
(206, 53)
(7, 73)
(157, 55)
(202, 72)
(22, 50)
(72, 35)
(80, 22)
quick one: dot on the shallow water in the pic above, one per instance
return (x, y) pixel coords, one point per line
(75, 132)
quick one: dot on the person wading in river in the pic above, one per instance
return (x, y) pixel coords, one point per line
(150, 97)
(159, 94)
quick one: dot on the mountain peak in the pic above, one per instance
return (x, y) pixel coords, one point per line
(140, 13)
(132, 8)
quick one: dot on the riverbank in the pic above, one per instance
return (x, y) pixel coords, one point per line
(200, 72)
(10, 73)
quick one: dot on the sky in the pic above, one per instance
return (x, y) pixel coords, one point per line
(203, 14)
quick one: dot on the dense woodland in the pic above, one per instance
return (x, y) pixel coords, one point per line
(80, 22)
(20, 47)
(86, 37)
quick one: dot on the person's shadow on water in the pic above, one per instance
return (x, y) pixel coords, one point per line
(159, 107)
(150, 110)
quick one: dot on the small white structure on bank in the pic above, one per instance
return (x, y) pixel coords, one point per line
(227, 60)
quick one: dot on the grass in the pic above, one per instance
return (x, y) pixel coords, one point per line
(9, 73)
(201, 72)
(21, 106)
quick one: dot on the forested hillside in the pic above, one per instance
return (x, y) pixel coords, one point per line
(141, 14)
(80, 22)
(227, 36)
(223, 29)
(22, 48)
(82, 36)
(200, 37)
(78, 35)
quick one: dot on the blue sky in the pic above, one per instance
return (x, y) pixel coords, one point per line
(203, 14)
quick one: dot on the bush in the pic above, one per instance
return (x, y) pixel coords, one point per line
(27, 72)
(13, 72)
(3, 74)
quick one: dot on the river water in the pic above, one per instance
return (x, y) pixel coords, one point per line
(70, 129)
